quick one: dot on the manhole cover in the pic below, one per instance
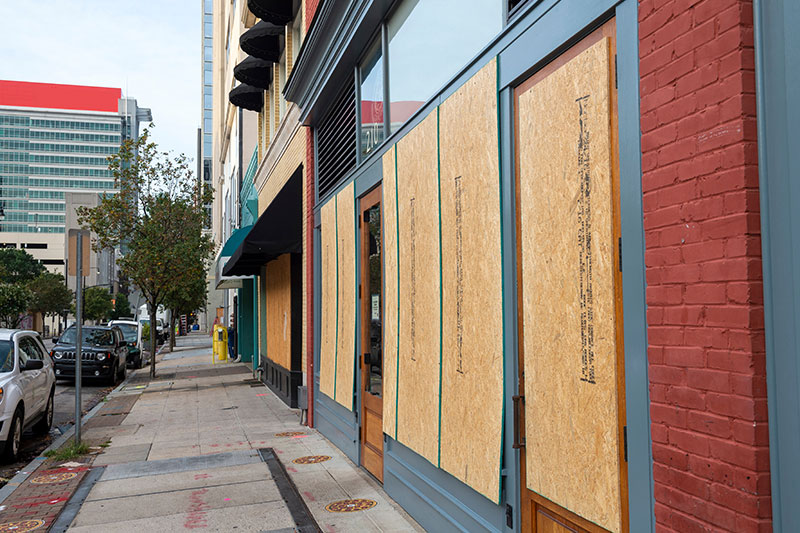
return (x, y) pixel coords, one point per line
(59, 477)
(20, 527)
(311, 459)
(350, 506)
(290, 434)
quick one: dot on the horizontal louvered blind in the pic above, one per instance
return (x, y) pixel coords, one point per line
(336, 140)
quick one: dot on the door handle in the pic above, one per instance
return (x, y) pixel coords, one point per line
(517, 443)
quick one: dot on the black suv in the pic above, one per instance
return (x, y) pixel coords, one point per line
(105, 353)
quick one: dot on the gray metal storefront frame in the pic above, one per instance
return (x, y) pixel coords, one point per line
(777, 82)
(536, 34)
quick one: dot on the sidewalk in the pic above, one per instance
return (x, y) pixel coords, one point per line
(207, 447)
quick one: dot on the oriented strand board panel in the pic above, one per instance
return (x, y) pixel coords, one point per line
(327, 349)
(418, 222)
(348, 295)
(472, 285)
(567, 244)
(279, 311)
(390, 302)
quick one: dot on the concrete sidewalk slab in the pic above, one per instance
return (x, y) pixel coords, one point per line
(193, 456)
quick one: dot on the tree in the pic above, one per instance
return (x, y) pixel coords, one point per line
(97, 304)
(122, 306)
(14, 301)
(158, 206)
(51, 296)
(18, 266)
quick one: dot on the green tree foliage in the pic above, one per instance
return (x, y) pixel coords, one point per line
(51, 296)
(155, 214)
(187, 292)
(122, 306)
(14, 300)
(18, 266)
(97, 304)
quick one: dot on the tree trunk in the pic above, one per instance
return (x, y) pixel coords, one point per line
(151, 309)
(171, 330)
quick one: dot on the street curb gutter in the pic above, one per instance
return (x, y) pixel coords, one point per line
(70, 511)
(23, 474)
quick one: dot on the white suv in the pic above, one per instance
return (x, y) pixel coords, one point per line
(27, 387)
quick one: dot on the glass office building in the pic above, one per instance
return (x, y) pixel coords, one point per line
(54, 144)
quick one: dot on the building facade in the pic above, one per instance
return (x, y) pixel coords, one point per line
(548, 272)
(259, 169)
(554, 259)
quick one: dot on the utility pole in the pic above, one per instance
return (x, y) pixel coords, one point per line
(79, 334)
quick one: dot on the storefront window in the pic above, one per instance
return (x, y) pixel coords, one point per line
(371, 74)
(429, 41)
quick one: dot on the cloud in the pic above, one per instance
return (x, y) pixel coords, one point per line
(150, 49)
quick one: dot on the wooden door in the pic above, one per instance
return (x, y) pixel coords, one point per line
(371, 290)
(570, 410)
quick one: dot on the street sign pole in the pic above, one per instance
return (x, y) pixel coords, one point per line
(79, 333)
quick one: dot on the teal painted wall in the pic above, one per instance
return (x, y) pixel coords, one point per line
(246, 321)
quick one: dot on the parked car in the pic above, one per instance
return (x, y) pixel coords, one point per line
(27, 388)
(104, 353)
(132, 334)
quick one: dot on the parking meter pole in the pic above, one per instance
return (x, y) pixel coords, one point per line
(79, 334)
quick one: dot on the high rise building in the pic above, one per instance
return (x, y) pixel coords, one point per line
(208, 101)
(54, 144)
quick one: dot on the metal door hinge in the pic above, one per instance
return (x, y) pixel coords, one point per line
(616, 80)
(619, 247)
(625, 441)
(509, 516)
(518, 442)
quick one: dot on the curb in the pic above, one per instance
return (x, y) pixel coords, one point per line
(28, 469)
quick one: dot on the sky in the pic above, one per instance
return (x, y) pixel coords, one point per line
(151, 49)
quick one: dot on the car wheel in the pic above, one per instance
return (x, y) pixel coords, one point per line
(123, 372)
(43, 426)
(112, 379)
(11, 448)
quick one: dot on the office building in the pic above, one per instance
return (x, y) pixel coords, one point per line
(54, 143)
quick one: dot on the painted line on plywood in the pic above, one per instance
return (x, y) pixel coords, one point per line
(397, 246)
(441, 331)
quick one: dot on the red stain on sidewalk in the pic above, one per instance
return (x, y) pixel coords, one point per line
(196, 517)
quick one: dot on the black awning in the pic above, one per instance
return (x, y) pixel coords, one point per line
(278, 231)
(247, 97)
(254, 71)
(263, 41)
(276, 11)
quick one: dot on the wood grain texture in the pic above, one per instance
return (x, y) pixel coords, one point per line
(390, 302)
(348, 296)
(472, 298)
(568, 306)
(327, 350)
(418, 219)
(279, 310)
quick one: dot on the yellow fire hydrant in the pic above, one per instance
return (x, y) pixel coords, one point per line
(219, 346)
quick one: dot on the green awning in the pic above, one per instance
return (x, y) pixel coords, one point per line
(235, 240)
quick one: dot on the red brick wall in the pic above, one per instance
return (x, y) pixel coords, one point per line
(308, 249)
(703, 266)
(311, 9)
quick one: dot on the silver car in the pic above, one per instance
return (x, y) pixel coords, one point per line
(27, 387)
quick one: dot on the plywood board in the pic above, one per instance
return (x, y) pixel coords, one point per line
(279, 310)
(390, 301)
(327, 350)
(348, 295)
(418, 222)
(472, 282)
(567, 245)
